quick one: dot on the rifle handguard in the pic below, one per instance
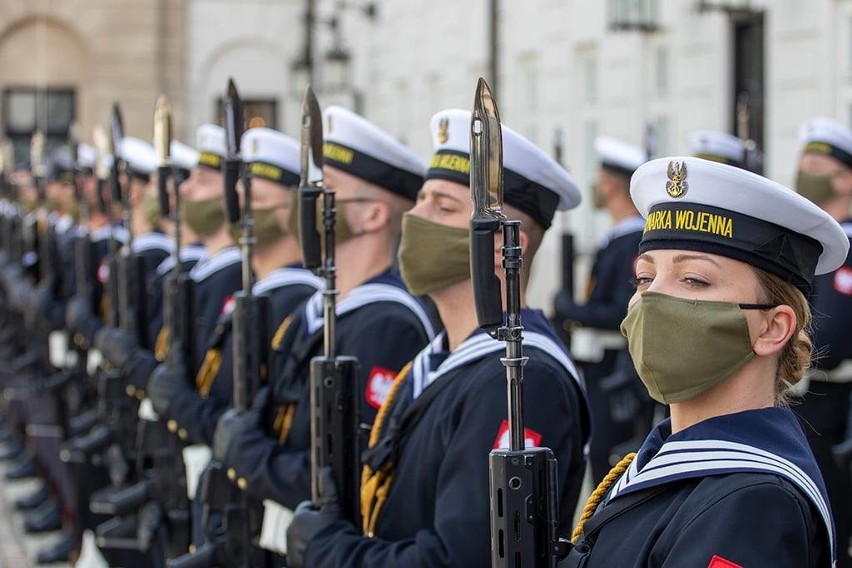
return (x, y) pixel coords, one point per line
(231, 173)
(486, 285)
(309, 235)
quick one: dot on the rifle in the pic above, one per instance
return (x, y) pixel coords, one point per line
(334, 378)
(241, 521)
(522, 480)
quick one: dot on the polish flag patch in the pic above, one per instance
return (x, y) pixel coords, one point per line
(228, 306)
(503, 440)
(103, 272)
(379, 385)
(719, 562)
(843, 280)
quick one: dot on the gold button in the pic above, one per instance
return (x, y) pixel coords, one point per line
(183, 434)
(172, 425)
(79, 340)
(140, 394)
(242, 483)
(232, 474)
(130, 390)
(191, 548)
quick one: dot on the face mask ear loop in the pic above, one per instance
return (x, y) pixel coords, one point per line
(756, 307)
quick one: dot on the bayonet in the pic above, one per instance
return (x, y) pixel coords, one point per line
(162, 145)
(311, 186)
(486, 191)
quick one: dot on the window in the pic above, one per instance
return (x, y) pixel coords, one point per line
(26, 109)
(257, 113)
(643, 15)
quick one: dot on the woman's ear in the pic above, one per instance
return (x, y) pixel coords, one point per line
(774, 330)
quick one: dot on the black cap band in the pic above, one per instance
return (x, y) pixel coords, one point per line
(770, 247)
(617, 169)
(518, 191)
(401, 182)
(829, 150)
(271, 172)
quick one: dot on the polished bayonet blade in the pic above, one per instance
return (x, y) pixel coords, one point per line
(486, 145)
(116, 131)
(37, 154)
(162, 130)
(101, 140)
(74, 139)
(233, 119)
(312, 139)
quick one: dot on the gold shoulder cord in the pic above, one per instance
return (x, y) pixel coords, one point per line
(376, 484)
(599, 492)
(284, 415)
(161, 346)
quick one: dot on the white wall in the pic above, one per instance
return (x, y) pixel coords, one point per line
(560, 68)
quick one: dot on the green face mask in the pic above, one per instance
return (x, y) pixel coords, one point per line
(150, 207)
(342, 230)
(203, 217)
(266, 228)
(432, 256)
(817, 188)
(682, 348)
(598, 201)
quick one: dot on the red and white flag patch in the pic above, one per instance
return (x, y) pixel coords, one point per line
(103, 272)
(379, 384)
(719, 562)
(228, 306)
(503, 441)
(843, 280)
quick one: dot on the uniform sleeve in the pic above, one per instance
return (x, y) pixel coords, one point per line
(385, 340)
(764, 525)
(607, 303)
(382, 342)
(197, 415)
(832, 308)
(460, 535)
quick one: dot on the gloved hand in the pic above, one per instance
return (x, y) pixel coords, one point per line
(117, 345)
(80, 319)
(309, 521)
(232, 427)
(563, 305)
(165, 384)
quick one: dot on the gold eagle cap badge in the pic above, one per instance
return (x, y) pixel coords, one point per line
(677, 186)
(443, 130)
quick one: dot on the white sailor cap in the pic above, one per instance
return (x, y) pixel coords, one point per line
(87, 158)
(695, 204)
(272, 155)
(182, 156)
(618, 155)
(140, 157)
(717, 146)
(827, 136)
(210, 143)
(357, 146)
(532, 181)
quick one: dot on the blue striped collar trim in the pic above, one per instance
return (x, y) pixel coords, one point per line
(209, 266)
(151, 241)
(361, 296)
(281, 277)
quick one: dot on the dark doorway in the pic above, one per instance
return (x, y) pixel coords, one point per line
(748, 102)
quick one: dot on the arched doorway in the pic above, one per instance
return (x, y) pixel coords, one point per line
(45, 72)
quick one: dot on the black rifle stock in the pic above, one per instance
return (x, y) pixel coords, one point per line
(522, 480)
(335, 417)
